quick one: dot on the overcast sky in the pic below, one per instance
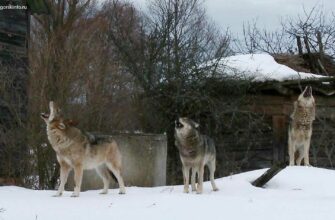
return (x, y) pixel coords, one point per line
(232, 13)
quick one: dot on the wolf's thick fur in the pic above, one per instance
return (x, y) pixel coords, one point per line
(79, 151)
(196, 151)
(300, 130)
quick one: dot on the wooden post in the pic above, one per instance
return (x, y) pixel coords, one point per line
(280, 143)
(299, 44)
(321, 53)
(307, 45)
(268, 175)
(320, 44)
(311, 60)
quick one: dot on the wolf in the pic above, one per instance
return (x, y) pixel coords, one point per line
(195, 151)
(300, 128)
(78, 150)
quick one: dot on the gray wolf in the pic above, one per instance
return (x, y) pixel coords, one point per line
(196, 151)
(78, 150)
(300, 129)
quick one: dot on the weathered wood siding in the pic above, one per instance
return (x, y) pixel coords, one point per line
(265, 148)
(14, 26)
(14, 30)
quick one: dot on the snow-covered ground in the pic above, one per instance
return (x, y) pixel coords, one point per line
(260, 67)
(295, 193)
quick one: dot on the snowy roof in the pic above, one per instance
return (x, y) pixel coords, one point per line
(260, 68)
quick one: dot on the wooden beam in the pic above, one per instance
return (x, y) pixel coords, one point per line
(279, 132)
(320, 44)
(285, 87)
(268, 175)
(299, 44)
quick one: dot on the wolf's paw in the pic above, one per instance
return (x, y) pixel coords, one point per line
(75, 194)
(216, 189)
(57, 195)
(199, 191)
(308, 165)
(185, 191)
(122, 191)
(194, 189)
(103, 192)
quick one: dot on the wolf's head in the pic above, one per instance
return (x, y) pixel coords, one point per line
(185, 127)
(54, 119)
(306, 98)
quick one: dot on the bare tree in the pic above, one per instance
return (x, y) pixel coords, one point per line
(168, 46)
(73, 63)
(312, 31)
(174, 53)
(256, 39)
(315, 27)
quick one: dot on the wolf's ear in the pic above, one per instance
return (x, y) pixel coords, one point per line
(61, 126)
(196, 125)
(71, 122)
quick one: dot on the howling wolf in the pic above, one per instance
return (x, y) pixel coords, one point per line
(300, 129)
(78, 150)
(196, 151)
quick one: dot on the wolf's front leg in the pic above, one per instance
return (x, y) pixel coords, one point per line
(186, 173)
(78, 175)
(193, 178)
(200, 179)
(64, 173)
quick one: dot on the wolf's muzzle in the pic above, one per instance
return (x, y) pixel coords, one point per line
(308, 91)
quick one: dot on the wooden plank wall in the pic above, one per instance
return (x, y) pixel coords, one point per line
(14, 32)
(262, 150)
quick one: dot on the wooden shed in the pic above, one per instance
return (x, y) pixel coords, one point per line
(273, 101)
(253, 133)
(14, 38)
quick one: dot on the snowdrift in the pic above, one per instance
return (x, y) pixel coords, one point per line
(295, 193)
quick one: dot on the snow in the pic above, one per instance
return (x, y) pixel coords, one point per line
(260, 67)
(295, 193)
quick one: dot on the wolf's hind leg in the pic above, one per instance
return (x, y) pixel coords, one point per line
(300, 157)
(306, 152)
(105, 176)
(291, 150)
(117, 173)
(211, 166)
(193, 178)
